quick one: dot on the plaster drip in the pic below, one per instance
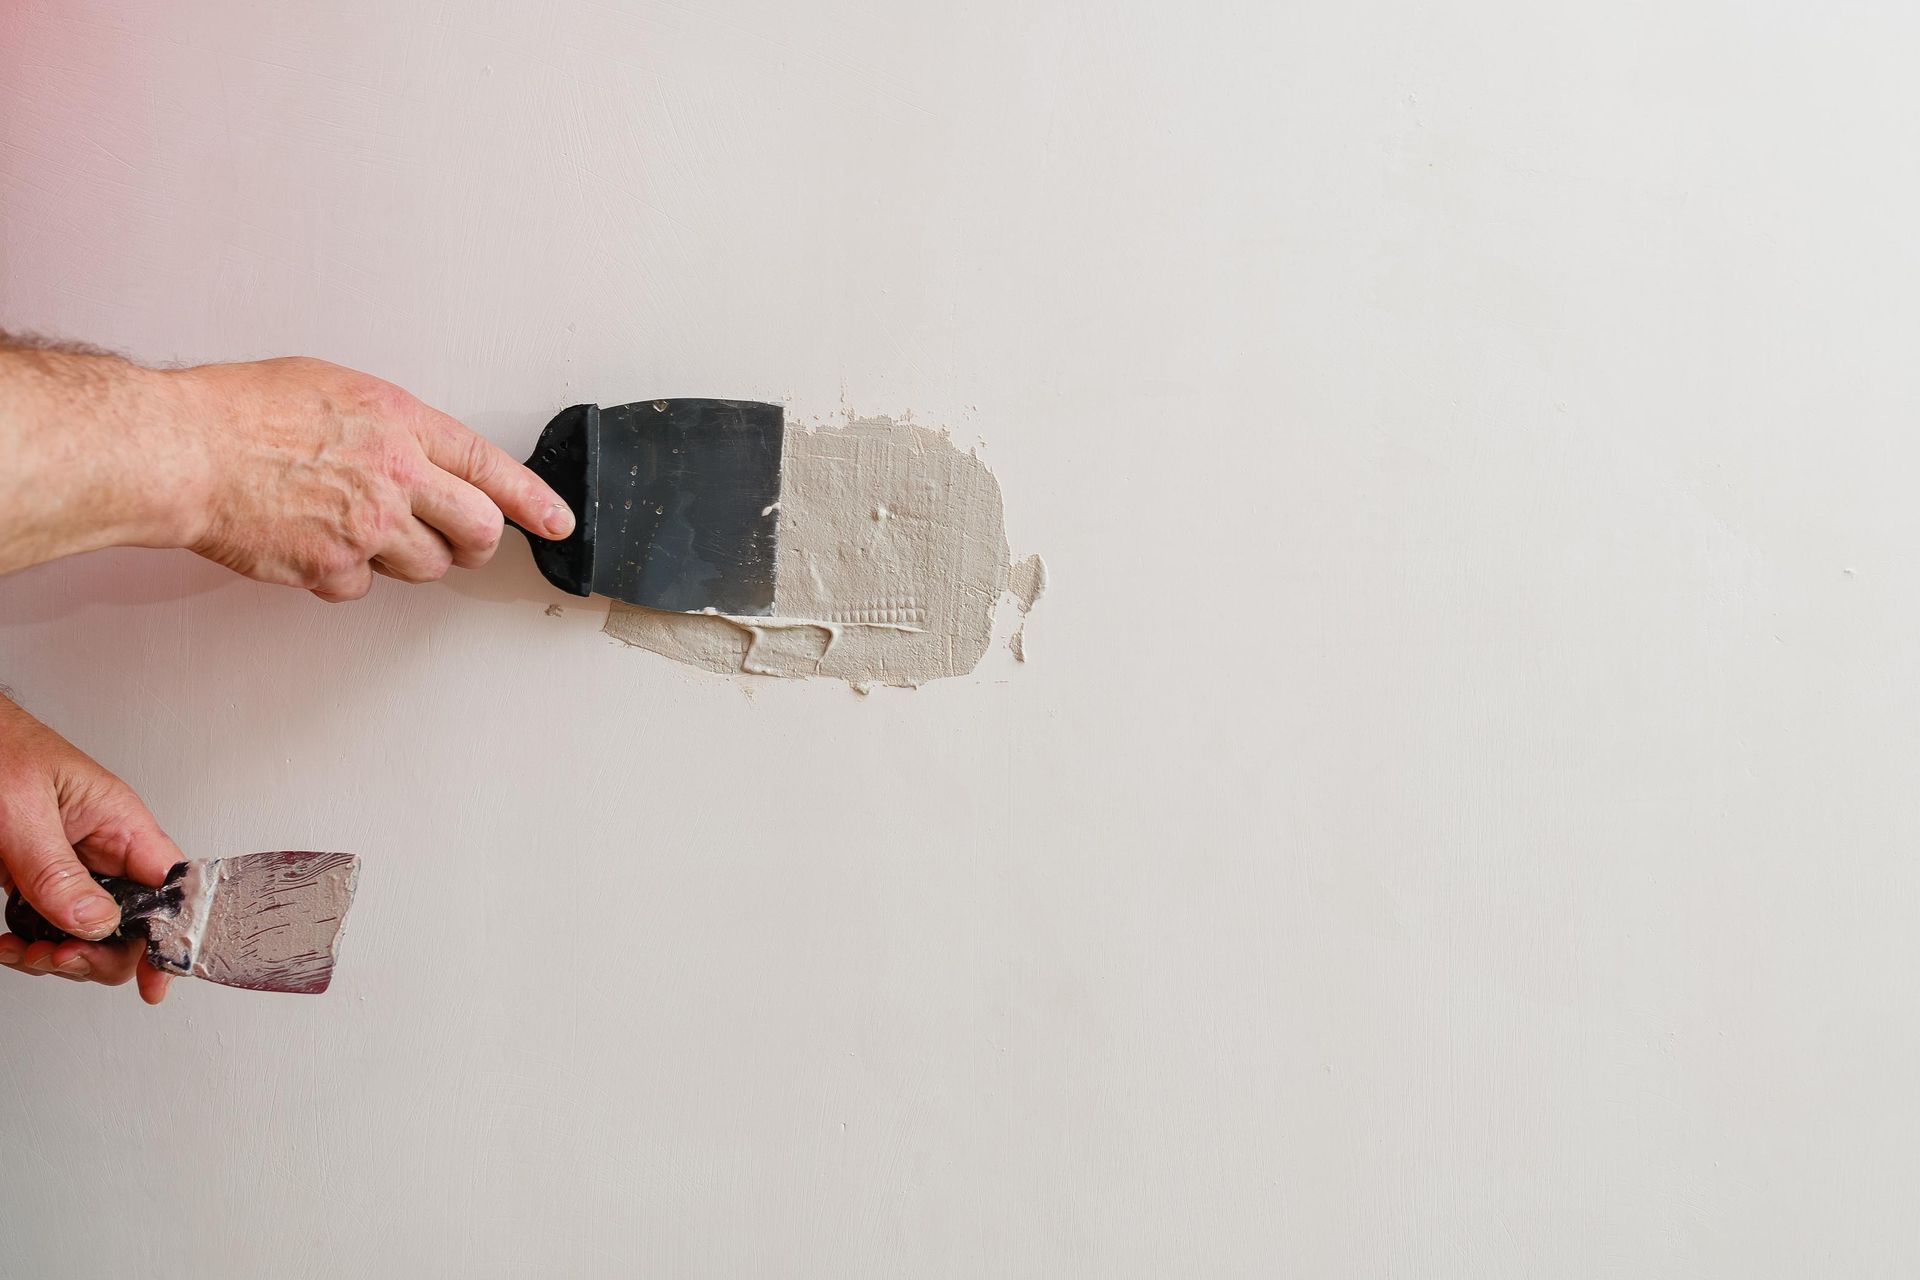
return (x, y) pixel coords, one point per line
(757, 627)
(1026, 583)
(892, 557)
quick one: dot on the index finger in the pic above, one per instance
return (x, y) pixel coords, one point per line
(121, 838)
(522, 496)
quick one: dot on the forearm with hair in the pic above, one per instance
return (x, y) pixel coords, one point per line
(94, 452)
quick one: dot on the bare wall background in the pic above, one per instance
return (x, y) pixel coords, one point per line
(1459, 816)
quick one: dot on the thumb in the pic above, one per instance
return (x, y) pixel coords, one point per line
(49, 874)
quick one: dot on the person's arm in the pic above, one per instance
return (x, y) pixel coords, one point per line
(289, 471)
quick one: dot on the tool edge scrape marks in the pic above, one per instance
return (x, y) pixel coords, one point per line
(892, 559)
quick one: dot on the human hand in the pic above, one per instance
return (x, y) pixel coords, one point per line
(319, 477)
(62, 815)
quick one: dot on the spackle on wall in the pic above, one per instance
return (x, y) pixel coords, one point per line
(891, 559)
(1026, 582)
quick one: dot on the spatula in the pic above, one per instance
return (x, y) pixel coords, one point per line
(674, 501)
(263, 921)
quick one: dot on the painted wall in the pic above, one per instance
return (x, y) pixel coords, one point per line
(1458, 818)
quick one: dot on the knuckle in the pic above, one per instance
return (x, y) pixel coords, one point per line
(480, 529)
(342, 587)
(53, 880)
(488, 525)
(478, 459)
(406, 462)
(332, 567)
(380, 398)
(402, 465)
(473, 557)
(370, 530)
(430, 565)
(305, 368)
(362, 543)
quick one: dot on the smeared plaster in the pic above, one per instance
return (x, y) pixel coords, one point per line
(892, 556)
(1026, 582)
(267, 921)
(277, 928)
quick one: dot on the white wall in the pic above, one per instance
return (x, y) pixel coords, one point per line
(1459, 817)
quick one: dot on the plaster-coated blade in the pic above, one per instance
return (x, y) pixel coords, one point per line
(263, 921)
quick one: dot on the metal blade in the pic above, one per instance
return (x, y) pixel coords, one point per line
(268, 921)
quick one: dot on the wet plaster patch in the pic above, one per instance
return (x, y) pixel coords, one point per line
(892, 556)
(1026, 582)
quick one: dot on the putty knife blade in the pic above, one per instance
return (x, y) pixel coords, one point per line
(675, 503)
(264, 921)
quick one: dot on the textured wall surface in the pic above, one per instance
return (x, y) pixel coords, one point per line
(1458, 818)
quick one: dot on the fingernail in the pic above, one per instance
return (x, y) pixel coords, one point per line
(96, 915)
(77, 968)
(559, 520)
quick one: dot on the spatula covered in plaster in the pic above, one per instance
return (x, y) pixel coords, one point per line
(264, 921)
(675, 503)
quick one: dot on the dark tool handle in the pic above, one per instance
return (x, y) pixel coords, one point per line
(137, 902)
(567, 457)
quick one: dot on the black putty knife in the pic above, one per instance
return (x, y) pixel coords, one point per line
(263, 921)
(674, 503)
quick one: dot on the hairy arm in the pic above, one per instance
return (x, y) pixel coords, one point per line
(290, 471)
(90, 455)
